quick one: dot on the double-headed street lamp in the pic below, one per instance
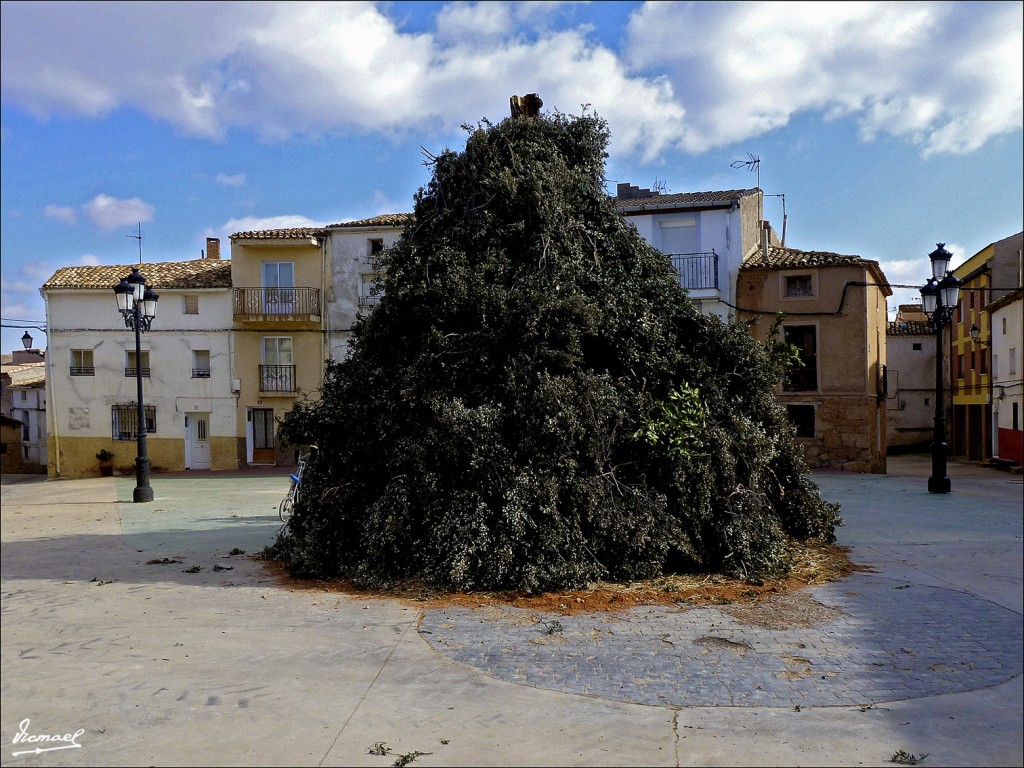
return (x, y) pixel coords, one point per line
(938, 298)
(137, 304)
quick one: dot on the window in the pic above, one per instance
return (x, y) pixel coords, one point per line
(81, 363)
(124, 420)
(995, 366)
(805, 339)
(370, 289)
(1015, 417)
(1004, 326)
(917, 346)
(277, 374)
(799, 285)
(375, 245)
(190, 304)
(802, 417)
(973, 360)
(130, 367)
(1013, 361)
(983, 361)
(959, 366)
(200, 363)
(278, 287)
(679, 236)
(24, 396)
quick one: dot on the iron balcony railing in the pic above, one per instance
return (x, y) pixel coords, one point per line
(696, 270)
(279, 303)
(83, 370)
(131, 373)
(277, 378)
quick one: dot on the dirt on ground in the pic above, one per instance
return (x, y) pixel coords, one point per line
(770, 603)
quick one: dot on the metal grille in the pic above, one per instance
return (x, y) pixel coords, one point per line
(277, 378)
(124, 420)
(696, 270)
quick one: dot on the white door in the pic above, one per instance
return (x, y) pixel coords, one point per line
(199, 433)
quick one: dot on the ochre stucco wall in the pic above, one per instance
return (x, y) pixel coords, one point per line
(78, 455)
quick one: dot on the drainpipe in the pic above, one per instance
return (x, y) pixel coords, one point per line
(51, 392)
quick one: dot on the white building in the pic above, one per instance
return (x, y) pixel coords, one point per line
(705, 234)
(1007, 347)
(24, 399)
(351, 273)
(186, 361)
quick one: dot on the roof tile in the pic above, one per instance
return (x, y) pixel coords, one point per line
(202, 273)
(384, 220)
(293, 233)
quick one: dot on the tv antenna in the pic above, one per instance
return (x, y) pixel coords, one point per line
(139, 238)
(753, 164)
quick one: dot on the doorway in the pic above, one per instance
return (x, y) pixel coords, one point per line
(197, 440)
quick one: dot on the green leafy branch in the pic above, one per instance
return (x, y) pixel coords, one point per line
(679, 423)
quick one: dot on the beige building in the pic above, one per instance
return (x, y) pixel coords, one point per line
(278, 285)
(297, 294)
(185, 363)
(835, 314)
(910, 380)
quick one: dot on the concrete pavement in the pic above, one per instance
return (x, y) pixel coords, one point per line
(134, 624)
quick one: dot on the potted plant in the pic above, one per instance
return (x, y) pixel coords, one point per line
(106, 462)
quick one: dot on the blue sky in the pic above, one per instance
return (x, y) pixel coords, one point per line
(887, 126)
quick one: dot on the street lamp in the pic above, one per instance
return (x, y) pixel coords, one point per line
(938, 298)
(26, 340)
(137, 304)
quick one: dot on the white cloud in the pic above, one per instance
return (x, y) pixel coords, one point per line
(61, 213)
(690, 76)
(89, 260)
(944, 76)
(231, 180)
(108, 212)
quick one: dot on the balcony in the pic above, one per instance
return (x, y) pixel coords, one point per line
(277, 378)
(697, 271)
(277, 304)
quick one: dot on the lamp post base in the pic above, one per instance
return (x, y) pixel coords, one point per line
(939, 485)
(143, 491)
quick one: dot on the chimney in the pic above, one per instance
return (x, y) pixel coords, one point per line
(765, 240)
(212, 248)
(627, 191)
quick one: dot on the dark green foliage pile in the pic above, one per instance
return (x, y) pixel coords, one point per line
(506, 417)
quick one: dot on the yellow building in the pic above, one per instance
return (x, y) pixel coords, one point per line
(278, 280)
(987, 276)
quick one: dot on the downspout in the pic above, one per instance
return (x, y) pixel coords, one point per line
(52, 394)
(325, 322)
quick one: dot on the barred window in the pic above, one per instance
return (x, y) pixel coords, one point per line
(124, 420)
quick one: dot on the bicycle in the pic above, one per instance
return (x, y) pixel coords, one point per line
(288, 503)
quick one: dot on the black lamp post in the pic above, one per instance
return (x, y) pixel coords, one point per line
(938, 298)
(137, 303)
(26, 340)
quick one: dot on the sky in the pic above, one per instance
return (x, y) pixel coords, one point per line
(883, 128)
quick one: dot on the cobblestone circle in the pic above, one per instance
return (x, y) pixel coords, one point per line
(885, 641)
